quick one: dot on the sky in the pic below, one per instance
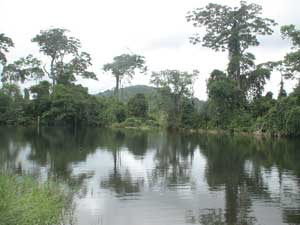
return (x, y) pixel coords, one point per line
(156, 29)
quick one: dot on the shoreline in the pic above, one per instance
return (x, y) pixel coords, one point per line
(256, 134)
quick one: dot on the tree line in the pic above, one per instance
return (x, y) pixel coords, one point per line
(235, 96)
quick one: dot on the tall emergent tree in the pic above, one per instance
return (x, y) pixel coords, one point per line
(66, 60)
(125, 65)
(175, 85)
(233, 30)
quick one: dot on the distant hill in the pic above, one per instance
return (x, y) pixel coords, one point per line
(150, 92)
(128, 92)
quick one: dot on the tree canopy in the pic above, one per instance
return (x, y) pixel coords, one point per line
(56, 44)
(231, 29)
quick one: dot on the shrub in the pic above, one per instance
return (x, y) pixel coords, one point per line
(132, 122)
(26, 202)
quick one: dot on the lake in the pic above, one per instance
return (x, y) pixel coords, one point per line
(130, 177)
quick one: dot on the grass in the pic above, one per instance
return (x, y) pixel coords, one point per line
(24, 201)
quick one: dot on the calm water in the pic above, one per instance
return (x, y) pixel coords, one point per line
(156, 178)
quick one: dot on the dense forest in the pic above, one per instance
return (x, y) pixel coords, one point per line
(236, 99)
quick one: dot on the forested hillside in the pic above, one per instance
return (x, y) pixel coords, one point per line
(128, 92)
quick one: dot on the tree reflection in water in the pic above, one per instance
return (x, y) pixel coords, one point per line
(120, 182)
(239, 167)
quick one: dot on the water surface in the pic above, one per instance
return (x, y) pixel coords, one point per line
(158, 178)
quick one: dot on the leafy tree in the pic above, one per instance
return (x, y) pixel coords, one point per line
(118, 110)
(233, 30)
(72, 105)
(5, 44)
(260, 106)
(23, 69)
(12, 104)
(224, 99)
(67, 105)
(56, 44)
(13, 91)
(4, 102)
(125, 65)
(189, 116)
(175, 86)
(138, 106)
(293, 121)
(41, 98)
(291, 60)
(41, 90)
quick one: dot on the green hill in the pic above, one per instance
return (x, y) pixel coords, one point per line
(128, 92)
(150, 92)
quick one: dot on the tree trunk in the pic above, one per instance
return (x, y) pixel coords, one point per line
(235, 54)
(52, 72)
(117, 86)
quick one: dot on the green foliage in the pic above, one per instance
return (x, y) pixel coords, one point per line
(135, 122)
(279, 119)
(225, 99)
(24, 201)
(72, 105)
(138, 106)
(41, 98)
(293, 121)
(260, 106)
(5, 101)
(132, 122)
(190, 115)
(13, 103)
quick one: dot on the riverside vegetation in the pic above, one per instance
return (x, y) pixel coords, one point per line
(236, 99)
(25, 201)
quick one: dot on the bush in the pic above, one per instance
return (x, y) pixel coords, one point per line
(138, 106)
(152, 123)
(132, 122)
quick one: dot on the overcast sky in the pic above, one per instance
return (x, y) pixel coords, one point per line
(156, 29)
